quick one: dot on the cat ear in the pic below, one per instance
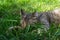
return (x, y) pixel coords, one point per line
(35, 14)
(23, 13)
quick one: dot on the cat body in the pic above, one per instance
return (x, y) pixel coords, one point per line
(46, 18)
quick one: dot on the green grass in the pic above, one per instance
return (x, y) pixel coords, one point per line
(10, 16)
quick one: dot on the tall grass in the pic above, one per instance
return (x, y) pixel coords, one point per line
(10, 16)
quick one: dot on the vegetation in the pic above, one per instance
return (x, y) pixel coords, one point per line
(10, 16)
